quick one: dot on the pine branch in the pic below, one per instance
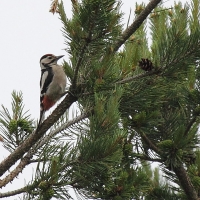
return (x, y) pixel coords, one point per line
(158, 71)
(36, 183)
(191, 51)
(77, 67)
(193, 120)
(61, 128)
(186, 183)
(26, 160)
(37, 134)
(147, 158)
(149, 143)
(128, 79)
(136, 24)
(145, 74)
(87, 42)
(179, 171)
(37, 160)
(12, 193)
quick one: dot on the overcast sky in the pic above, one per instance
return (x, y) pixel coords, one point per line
(28, 31)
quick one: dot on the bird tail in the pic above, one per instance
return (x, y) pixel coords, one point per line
(41, 117)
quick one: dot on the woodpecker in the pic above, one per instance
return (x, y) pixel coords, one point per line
(52, 82)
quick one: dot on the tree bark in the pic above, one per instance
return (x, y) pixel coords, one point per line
(186, 183)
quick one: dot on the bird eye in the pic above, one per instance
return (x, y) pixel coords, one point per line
(49, 57)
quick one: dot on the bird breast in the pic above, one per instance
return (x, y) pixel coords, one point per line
(58, 84)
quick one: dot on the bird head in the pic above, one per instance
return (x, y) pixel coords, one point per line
(49, 59)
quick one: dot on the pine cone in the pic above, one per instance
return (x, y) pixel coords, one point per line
(146, 64)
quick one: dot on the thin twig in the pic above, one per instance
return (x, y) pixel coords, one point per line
(32, 186)
(78, 64)
(61, 128)
(14, 173)
(129, 79)
(77, 67)
(147, 158)
(162, 10)
(149, 143)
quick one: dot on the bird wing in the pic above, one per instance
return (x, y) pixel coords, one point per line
(45, 80)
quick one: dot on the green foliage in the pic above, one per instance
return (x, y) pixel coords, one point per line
(153, 118)
(15, 127)
(165, 144)
(159, 187)
(68, 70)
(52, 172)
(136, 115)
(194, 171)
(100, 148)
(94, 25)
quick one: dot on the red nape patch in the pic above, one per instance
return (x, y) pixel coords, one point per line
(47, 103)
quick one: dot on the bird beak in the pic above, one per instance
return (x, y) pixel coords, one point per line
(58, 57)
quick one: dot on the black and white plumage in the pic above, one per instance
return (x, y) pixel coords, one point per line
(52, 82)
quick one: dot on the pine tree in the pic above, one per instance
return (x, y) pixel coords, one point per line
(138, 101)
